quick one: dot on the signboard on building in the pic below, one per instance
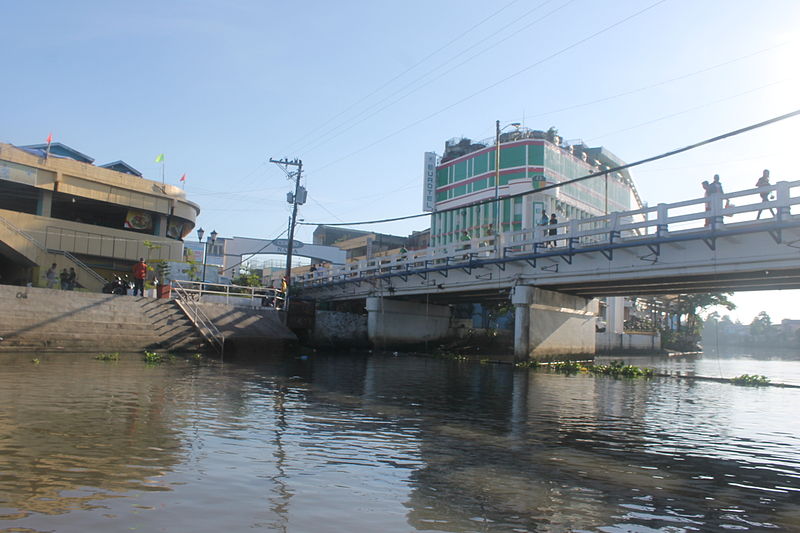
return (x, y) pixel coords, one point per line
(429, 183)
(283, 244)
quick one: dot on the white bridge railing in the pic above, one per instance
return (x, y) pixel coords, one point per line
(741, 209)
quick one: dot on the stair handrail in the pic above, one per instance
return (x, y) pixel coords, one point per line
(200, 320)
(10, 225)
(83, 266)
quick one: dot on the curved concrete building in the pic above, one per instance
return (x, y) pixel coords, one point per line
(56, 206)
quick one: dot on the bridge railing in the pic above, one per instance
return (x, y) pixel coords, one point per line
(743, 207)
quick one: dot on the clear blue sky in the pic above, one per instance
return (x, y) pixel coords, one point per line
(360, 90)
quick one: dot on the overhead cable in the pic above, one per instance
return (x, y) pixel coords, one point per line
(581, 178)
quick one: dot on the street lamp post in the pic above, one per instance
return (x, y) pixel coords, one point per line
(498, 129)
(212, 237)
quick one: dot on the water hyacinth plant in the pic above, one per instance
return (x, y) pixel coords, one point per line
(749, 380)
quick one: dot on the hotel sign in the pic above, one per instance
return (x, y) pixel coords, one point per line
(429, 183)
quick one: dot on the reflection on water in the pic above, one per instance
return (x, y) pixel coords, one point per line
(349, 443)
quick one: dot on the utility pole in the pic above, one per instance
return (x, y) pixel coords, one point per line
(295, 199)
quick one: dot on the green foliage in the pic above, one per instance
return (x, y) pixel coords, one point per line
(154, 358)
(531, 363)
(615, 369)
(761, 326)
(453, 356)
(107, 356)
(567, 367)
(751, 380)
(35, 361)
(620, 369)
(687, 334)
(247, 278)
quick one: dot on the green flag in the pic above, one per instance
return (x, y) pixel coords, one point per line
(160, 158)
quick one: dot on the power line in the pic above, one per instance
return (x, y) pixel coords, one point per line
(493, 85)
(581, 178)
(658, 83)
(684, 111)
(440, 72)
(258, 251)
(412, 67)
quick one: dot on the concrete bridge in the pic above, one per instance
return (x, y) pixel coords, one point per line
(734, 241)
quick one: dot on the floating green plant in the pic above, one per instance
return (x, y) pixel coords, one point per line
(154, 358)
(107, 356)
(620, 369)
(751, 380)
(532, 363)
(35, 361)
(568, 367)
(614, 368)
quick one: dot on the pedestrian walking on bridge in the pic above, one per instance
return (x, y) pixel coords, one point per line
(763, 181)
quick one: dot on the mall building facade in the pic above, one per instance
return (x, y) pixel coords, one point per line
(464, 194)
(57, 206)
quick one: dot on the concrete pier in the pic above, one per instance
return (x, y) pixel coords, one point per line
(549, 324)
(397, 322)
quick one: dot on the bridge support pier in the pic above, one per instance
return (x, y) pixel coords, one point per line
(551, 324)
(397, 322)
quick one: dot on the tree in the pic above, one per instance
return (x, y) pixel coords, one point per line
(761, 326)
(687, 333)
(248, 278)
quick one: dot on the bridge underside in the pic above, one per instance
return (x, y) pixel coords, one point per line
(758, 280)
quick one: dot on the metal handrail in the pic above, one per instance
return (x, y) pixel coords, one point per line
(200, 320)
(83, 266)
(21, 233)
(196, 290)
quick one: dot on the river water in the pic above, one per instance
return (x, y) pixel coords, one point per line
(392, 444)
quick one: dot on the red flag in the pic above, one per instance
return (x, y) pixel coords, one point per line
(49, 138)
(183, 178)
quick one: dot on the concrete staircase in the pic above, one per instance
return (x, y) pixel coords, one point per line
(45, 320)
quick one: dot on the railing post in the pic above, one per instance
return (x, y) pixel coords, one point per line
(662, 216)
(613, 225)
(500, 245)
(572, 229)
(716, 207)
(782, 199)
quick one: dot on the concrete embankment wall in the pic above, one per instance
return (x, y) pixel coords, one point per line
(249, 330)
(608, 342)
(48, 320)
(337, 329)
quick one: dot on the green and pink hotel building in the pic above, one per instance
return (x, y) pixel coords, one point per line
(462, 194)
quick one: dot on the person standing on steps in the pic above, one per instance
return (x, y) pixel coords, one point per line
(139, 275)
(51, 276)
(64, 277)
(72, 279)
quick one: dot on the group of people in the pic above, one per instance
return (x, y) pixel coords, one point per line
(715, 187)
(552, 220)
(66, 279)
